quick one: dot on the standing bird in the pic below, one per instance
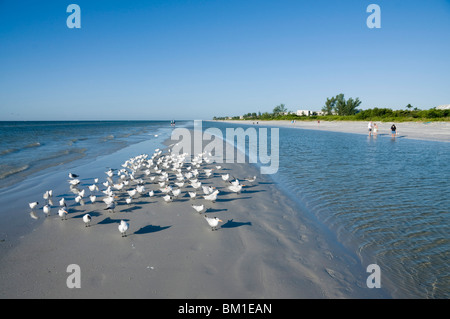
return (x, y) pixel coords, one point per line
(62, 213)
(123, 227)
(198, 208)
(46, 210)
(73, 175)
(213, 222)
(87, 220)
(213, 196)
(33, 205)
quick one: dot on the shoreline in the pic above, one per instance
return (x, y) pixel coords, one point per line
(429, 131)
(266, 247)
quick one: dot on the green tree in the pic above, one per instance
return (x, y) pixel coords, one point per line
(279, 110)
(351, 106)
(329, 106)
(340, 104)
(409, 106)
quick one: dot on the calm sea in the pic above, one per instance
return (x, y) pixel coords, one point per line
(29, 147)
(388, 200)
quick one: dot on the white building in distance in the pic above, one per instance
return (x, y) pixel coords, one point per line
(309, 113)
(443, 107)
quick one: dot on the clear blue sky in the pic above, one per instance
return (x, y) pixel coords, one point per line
(195, 59)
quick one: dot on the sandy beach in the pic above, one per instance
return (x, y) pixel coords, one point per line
(431, 131)
(266, 247)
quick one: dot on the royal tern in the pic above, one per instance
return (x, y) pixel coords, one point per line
(87, 220)
(62, 213)
(132, 192)
(62, 202)
(73, 175)
(198, 208)
(235, 188)
(47, 194)
(74, 182)
(213, 222)
(176, 192)
(225, 177)
(168, 198)
(192, 194)
(151, 193)
(33, 205)
(123, 227)
(46, 210)
(93, 198)
(207, 189)
(213, 196)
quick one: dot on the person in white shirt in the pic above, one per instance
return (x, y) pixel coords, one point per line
(369, 127)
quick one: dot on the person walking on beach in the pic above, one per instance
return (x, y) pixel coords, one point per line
(375, 129)
(393, 130)
(369, 127)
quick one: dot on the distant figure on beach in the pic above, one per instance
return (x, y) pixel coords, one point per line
(375, 129)
(369, 127)
(393, 130)
(172, 123)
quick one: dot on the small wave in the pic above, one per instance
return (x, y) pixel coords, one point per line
(8, 151)
(108, 138)
(32, 145)
(13, 170)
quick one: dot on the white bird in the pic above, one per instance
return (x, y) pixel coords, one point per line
(132, 192)
(168, 198)
(196, 184)
(151, 193)
(93, 188)
(62, 202)
(47, 194)
(33, 205)
(225, 177)
(213, 196)
(235, 182)
(213, 222)
(176, 192)
(207, 189)
(93, 198)
(140, 189)
(81, 193)
(251, 180)
(73, 175)
(123, 227)
(192, 194)
(235, 188)
(46, 210)
(87, 220)
(74, 182)
(128, 200)
(111, 206)
(198, 208)
(62, 213)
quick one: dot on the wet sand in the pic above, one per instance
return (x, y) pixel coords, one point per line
(266, 247)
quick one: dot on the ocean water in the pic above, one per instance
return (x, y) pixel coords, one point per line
(27, 148)
(387, 200)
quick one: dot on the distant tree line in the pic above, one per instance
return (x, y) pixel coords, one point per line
(338, 108)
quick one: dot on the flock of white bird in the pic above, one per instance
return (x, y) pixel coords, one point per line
(138, 171)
